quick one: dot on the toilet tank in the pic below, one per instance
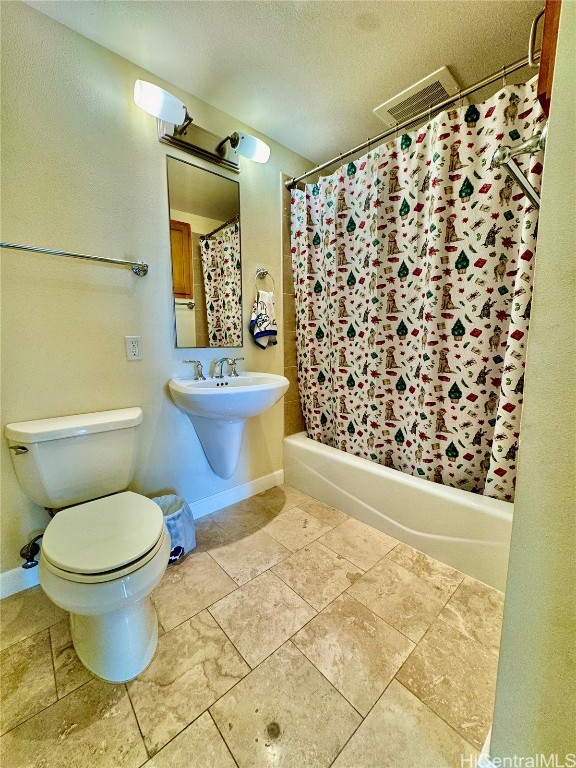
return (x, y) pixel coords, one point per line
(72, 459)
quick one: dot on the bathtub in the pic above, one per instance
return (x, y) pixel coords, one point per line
(465, 530)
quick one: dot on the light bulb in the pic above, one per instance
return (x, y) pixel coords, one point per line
(250, 147)
(159, 103)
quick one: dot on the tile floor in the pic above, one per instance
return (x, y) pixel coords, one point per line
(294, 636)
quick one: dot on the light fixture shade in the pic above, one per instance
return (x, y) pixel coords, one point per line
(159, 103)
(251, 147)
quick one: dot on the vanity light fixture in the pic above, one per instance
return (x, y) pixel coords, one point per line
(176, 127)
(247, 146)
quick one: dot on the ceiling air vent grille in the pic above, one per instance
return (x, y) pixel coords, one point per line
(418, 98)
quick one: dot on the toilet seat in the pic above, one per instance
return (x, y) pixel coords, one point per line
(103, 539)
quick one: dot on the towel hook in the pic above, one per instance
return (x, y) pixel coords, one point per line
(262, 273)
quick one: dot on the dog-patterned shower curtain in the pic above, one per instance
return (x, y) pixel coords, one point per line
(222, 274)
(413, 273)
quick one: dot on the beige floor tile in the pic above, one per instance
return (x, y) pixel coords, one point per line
(69, 670)
(249, 556)
(356, 650)
(261, 615)
(188, 588)
(441, 576)
(243, 517)
(198, 746)
(359, 543)
(27, 683)
(26, 613)
(476, 610)
(93, 726)
(282, 498)
(193, 666)
(317, 574)
(285, 714)
(296, 528)
(209, 534)
(456, 677)
(401, 732)
(324, 512)
(398, 596)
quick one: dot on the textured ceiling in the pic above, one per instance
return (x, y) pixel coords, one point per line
(307, 74)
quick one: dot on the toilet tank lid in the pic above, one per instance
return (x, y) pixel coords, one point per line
(57, 428)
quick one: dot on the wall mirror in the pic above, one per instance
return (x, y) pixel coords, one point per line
(206, 265)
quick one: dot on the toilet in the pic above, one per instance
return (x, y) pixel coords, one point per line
(105, 548)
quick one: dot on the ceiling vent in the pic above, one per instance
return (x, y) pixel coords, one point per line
(418, 98)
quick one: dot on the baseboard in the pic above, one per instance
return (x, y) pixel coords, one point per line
(18, 579)
(239, 492)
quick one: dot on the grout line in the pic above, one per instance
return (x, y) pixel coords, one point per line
(54, 660)
(291, 640)
(220, 732)
(137, 724)
(386, 621)
(360, 724)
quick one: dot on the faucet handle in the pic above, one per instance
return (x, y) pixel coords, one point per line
(199, 376)
(233, 361)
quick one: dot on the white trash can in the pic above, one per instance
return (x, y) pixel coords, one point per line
(179, 521)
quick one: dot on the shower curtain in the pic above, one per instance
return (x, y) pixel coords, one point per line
(223, 286)
(413, 272)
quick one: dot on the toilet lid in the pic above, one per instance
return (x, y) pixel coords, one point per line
(104, 534)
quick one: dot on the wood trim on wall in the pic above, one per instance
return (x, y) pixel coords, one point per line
(548, 54)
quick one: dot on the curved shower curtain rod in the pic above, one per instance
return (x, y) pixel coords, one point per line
(501, 73)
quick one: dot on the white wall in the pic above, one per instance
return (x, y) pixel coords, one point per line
(534, 711)
(82, 170)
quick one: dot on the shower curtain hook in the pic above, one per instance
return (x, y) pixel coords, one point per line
(504, 77)
(460, 100)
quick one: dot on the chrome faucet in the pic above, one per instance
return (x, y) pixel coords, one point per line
(199, 376)
(233, 371)
(219, 364)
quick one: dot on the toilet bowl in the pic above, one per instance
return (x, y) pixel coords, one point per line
(100, 561)
(101, 558)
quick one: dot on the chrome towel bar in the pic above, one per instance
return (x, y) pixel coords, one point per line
(139, 268)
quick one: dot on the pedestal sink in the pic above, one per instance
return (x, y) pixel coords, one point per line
(218, 409)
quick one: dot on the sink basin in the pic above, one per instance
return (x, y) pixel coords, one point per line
(218, 409)
(230, 398)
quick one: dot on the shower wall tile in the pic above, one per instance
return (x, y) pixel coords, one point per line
(293, 418)
(289, 348)
(289, 312)
(291, 373)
